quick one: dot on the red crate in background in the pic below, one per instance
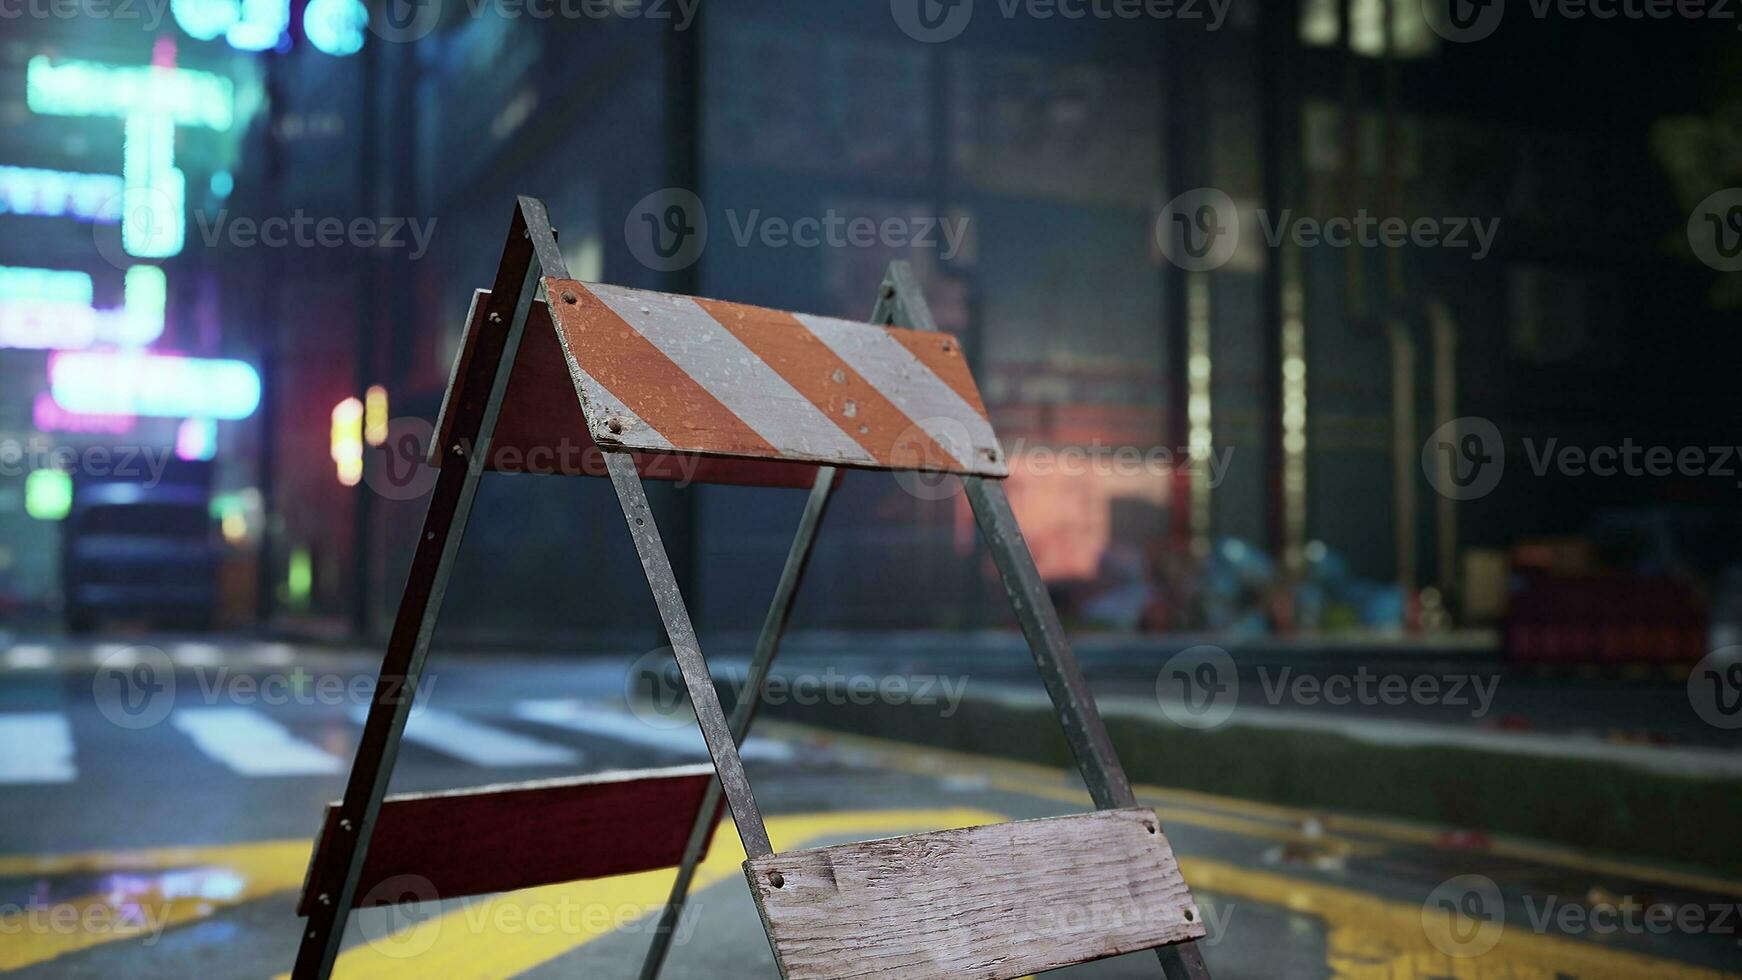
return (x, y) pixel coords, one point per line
(1604, 619)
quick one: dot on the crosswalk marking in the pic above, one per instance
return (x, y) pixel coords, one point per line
(579, 716)
(29, 656)
(478, 743)
(36, 747)
(251, 744)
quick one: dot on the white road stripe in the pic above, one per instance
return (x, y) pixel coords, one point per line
(477, 743)
(912, 387)
(249, 743)
(733, 373)
(592, 719)
(196, 655)
(29, 656)
(36, 747)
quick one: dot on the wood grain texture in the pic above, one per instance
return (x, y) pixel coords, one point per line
(983, 903)
(519, 835)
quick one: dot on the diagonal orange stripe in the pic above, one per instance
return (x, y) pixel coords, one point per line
(943, 354)
(830, 383)
(665, 396)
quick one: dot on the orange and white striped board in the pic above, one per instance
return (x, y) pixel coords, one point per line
(661, 373)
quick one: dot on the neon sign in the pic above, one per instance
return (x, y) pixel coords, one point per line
(335, 27)
(347, 441)
(60, 194)
(51, 309)
(89, 88)
(248, 25)
(47, 415)
(129, 383)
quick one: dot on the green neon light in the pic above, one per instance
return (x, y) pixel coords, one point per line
(48, 495)
(154, 195)
(89, 88)
(300, 581)
(44, 285)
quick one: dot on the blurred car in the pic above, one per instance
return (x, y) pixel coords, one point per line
(141, 549)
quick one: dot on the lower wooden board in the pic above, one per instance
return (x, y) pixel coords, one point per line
(518, 835)
(983, 903)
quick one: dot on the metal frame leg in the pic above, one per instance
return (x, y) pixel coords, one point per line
(767, 644)
(688, 651)
(744, 712)
(477, 402)
(1053, 657)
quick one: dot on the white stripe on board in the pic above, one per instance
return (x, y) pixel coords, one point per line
(594, 719)
(36, 747)
(914, 388)
(249, 743)
(477, 743)
(599, 399)
(733, 373)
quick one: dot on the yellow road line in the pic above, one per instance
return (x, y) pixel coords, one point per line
(1266, 820)
(1371, 938)
(178, 886)
(508, 934)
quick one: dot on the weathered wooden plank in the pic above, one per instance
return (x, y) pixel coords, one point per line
(519, 835)
(543, 429)
(667, 373)
(983, 903)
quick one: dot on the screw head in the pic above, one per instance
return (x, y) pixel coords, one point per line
(777, 879)
(570, 298)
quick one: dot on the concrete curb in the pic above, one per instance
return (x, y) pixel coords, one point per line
(1665, 805)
